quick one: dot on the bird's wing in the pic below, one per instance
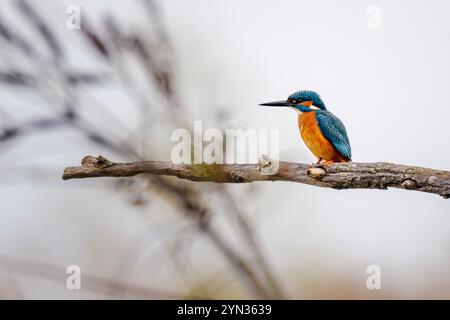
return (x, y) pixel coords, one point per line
(334, 130)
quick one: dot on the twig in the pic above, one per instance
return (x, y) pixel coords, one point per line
(89, 282)
(352, 175)
(250, 237)
(155, 55)
(201, 216)
(239, 263)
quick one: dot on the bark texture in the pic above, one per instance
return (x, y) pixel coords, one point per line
(350, 175)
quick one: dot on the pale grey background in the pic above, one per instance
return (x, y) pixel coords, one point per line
(389, 86)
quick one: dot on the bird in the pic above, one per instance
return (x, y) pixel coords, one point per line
(323, 133)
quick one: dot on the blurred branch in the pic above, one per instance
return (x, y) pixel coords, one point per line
(201, 215)
(89, 282)
(75, 78)
(16, 131)
(42, 28)
(63, 90)
(351, 175)
(248, 233)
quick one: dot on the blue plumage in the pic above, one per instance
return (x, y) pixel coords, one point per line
(307, 95)
(334, 130)
(316, 121)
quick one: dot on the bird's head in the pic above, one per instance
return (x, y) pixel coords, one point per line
(303, 101)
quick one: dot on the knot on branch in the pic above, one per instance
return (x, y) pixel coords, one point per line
(267, 166)
(433, 180)
(264, 162)
(236, 177)
(409, 184)
(96, 162)
(316, 172)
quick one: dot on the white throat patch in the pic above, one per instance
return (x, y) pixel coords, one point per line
(312, 107)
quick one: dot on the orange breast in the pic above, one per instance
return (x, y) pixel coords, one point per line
(314, 139)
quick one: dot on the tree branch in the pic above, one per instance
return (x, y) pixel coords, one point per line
(351, 175)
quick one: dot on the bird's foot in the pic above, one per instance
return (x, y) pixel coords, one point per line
(317, 164)
(322, 164)
(327, 163)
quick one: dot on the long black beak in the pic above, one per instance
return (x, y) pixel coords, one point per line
(277, 104)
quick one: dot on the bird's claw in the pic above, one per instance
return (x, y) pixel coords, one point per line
(321, 164)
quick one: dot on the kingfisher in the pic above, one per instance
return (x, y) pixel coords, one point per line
(323, 133)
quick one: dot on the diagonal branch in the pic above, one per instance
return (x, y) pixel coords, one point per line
(351, 175)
